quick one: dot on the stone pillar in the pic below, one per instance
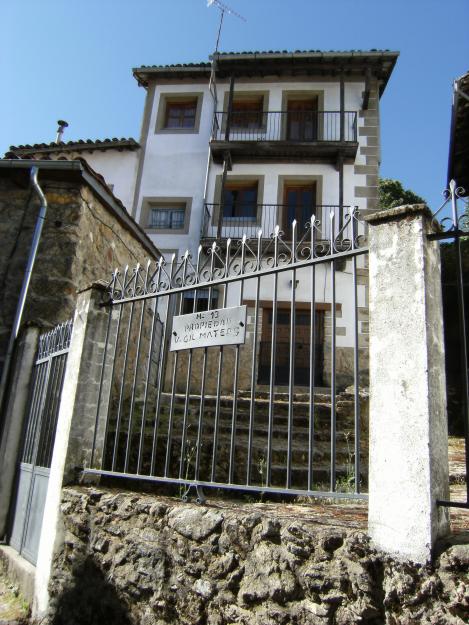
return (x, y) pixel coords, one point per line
(408, 427)
(75, 425)
(15, 413)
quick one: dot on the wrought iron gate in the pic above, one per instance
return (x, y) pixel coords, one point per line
(454, 238)
(201, 418)
(38, 442)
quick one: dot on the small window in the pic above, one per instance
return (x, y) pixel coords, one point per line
(201, 302)
(240, 201)
(167, 217)
(180, 114)
(248, 113)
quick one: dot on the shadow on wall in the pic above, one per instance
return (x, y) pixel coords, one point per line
(453, 331)
(89, 600)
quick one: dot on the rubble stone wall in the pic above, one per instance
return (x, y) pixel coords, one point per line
(137, 559)
(81, 242)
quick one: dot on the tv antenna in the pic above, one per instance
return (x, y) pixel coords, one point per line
(224, 8)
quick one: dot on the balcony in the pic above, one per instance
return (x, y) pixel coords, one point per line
(298, 135)
(266, 216)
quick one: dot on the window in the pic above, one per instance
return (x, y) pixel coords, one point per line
(248, 113)
(201, 303)
(302, 119)
(180, 114)
(240, 201)
(167, 217)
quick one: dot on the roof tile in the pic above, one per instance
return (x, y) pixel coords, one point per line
(79, 144)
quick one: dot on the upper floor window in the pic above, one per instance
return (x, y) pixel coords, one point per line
(167, 217)
(302, 119)
(179, 113)
(247, 112)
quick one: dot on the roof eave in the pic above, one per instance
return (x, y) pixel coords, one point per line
(383, 60)
(81, 170)
(144, 74)
(71, 146)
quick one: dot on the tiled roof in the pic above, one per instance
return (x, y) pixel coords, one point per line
(188, 65)
(277, 62)
(303, 52)
(75, 146)
(203, 64)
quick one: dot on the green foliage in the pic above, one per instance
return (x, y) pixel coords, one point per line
(391, 193)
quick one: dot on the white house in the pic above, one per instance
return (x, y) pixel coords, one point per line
(253, 140)
(247, 142)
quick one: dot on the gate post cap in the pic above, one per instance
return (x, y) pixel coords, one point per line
(397, 213)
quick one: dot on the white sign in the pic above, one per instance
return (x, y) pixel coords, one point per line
(224, 326)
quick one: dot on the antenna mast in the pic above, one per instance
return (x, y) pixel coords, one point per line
(224, 8)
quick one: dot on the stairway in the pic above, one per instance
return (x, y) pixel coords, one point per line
(245, 430)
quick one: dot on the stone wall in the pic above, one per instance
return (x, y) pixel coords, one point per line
(130, 558)
(81, 242)
(369, 156)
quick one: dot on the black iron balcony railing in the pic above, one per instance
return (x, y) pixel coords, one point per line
(248, 219)
(288, 126)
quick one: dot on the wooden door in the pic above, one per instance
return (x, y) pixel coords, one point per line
(299, 202)
(302, 120)
(302, 347)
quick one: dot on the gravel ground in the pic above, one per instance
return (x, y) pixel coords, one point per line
(13, 608)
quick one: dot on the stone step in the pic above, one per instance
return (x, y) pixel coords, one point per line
(260, 431)
(322, 422)
(299, 473)
(299, 447)
(280, 399)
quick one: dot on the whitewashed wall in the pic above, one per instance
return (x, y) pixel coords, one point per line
(175, 163)
(118, 169)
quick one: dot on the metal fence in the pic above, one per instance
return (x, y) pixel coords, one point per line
(48, 377)
(249, 218)
(296, 126)
(39, 438)
(244, 415)
(453, 217)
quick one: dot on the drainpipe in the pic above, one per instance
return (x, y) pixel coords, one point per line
(212, 87)
(25, 286)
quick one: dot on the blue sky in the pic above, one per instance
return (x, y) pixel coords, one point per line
(72, 59)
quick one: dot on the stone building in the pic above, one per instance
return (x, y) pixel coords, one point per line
(87, 232)
(255, 140)
(249, 141)
(458, 160)
(296, 135)
(116, 160)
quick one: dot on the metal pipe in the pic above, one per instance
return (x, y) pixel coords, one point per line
(25, 286)
(211, 82)
(60, 130)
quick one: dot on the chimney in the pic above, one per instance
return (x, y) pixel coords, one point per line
(60, 130)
